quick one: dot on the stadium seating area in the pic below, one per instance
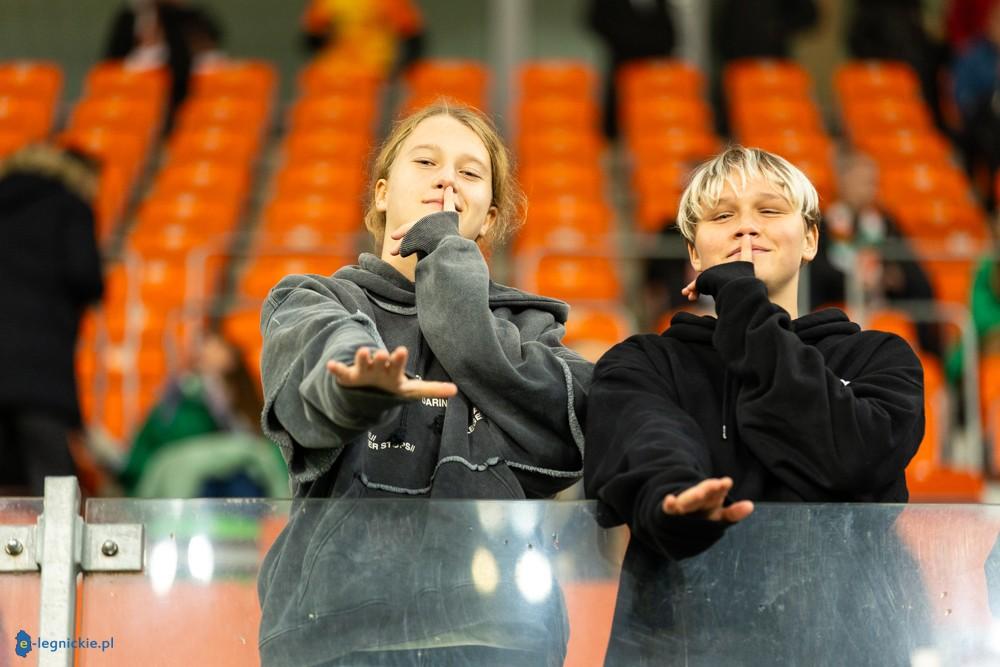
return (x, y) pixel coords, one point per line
(201, 221)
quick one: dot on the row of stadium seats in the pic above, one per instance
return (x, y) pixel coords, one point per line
(194, 210)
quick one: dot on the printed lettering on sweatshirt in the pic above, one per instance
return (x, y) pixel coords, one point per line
(374, 444)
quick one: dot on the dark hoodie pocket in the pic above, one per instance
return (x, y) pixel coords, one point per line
(319, 526)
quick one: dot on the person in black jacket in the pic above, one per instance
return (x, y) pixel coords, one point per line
(632, 30)
(685, 430)
(756, 403)
(50, 270)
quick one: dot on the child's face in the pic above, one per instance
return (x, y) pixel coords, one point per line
(780, 239)
(441, 151)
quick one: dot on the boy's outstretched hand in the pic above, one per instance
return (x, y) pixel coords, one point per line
(705, 499)
(381, 370)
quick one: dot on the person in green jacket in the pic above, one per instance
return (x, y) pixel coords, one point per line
(217, 395)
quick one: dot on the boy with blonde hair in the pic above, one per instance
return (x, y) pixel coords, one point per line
(687, 429)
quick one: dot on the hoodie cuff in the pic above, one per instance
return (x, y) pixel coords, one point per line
(711, 281)
(424, 237)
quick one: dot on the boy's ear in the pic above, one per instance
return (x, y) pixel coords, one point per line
(810, 244)
(695, 257)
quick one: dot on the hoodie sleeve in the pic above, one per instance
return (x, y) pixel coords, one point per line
(849, 437)
(523, 379)
(642, 446)
(306, 412)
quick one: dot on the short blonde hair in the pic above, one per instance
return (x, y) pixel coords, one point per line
(508, 197)
(737, 165)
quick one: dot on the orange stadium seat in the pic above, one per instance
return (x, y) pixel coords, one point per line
(265, 271)
(235, 114)
(821, 174)
(326, 77)
(675, 145)
(989, 400)
(176, 236)
(894, 321)
(592, 331)
(562, 178)
(243, 328)
(201, 213)
(648, 115)
(904, 146)
(213, 144)
(125, 150)
(246, 79)
(112, 79)
(334, 112)
(32, 79)
(575, 278)
(29, 117)
(793, 145)
(223, 180)
(653, 179)
(564, 224)
(339, 145)
(904, 182)
(935, 218)
(112, 193)
(329, 179)
(659, 78)
(557, 113)
(609, 325)
(928, 478)
(882, 114)
(753, 79)
(876, 79)
(468, 76)
(11, 141)
(762, 116)
(419, 99)
(130, 114)
(656, 212)
(328, 215)
(538, 149)
(561, 78)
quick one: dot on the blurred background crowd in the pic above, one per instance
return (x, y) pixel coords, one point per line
(163, 163)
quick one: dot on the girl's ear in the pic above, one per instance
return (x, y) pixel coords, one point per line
(491, 217)
(381, 195)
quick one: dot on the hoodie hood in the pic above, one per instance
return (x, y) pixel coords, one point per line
(810, 328)
(383, 281)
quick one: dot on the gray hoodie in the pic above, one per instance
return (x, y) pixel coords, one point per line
(512, 431)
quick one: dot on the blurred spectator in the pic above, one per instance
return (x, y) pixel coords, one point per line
(753, 29)
(894, 30)
(217, 395)
(984, 304)
(50, 270)
(631, 30)
(965, 20)
(385, 36)
(976, 80)
(853, 233)
(150, 34)
(760, 28)
(204, 36)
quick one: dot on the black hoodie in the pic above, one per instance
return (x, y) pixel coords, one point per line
(812, 409)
